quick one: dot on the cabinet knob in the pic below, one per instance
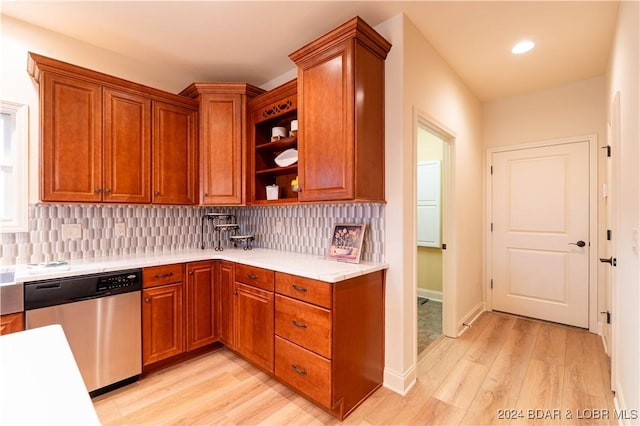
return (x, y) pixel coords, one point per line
(190, 272)
(235, 292)
(156, 193)
(107, 191)
(97, 190)
(204, 194)
(147, 300)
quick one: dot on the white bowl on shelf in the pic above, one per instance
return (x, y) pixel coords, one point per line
(287, 157)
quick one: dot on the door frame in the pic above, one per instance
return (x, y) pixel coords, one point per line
(449, 285)
(592, 139)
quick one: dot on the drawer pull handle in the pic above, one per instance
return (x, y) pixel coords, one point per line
(164, 275)
(252, 276)
(298, 324)
(297, 287)
(301, 371)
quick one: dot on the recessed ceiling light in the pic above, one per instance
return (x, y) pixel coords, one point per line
(523, 47)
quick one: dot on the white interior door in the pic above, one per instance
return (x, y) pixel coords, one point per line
(540, 238)
(429, 187)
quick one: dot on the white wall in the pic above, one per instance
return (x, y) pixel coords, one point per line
(623, 77)
(18, 38)
(425, 83)
(574, 109)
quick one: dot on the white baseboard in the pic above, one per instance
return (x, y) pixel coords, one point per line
(400, 383)
(434, 295)
(470, 317)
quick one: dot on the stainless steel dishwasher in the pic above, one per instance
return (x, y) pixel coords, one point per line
(100, 316)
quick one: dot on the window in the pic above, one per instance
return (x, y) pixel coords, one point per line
(13, 167)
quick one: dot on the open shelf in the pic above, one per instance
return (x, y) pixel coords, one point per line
(277, 171)
(276, 108)
(279, 145)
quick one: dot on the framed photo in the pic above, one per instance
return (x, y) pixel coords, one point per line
(346, 242)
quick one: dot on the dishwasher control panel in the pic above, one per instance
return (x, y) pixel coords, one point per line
(58, 291)
(120, 281)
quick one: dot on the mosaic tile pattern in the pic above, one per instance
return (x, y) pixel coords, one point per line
(157, 229)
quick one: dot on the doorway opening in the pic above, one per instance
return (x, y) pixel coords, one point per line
(431, 172)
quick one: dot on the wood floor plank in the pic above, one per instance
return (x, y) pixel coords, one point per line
(502, 385)
(582, 363)
(462, 384)
(486, 347)
(436, 412)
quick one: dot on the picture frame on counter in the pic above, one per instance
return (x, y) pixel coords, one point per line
(345, 243)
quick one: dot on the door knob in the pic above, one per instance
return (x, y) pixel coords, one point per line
(579, 243)
(611, 261)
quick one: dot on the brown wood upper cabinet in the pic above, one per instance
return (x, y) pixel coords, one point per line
(97, 135)
(174, 154)
(126, 147)
(341, 114)
(71, 139)
(222, 140)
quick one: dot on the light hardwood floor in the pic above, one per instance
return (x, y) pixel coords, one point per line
(501, 363)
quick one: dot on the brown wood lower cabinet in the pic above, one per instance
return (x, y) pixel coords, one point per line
(254, 313)
(200, 304)
(11, 323)
(162, 325)
(324, 340)
(225, 289)
(329, 342)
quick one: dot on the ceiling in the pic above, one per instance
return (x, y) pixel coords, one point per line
(250, 41)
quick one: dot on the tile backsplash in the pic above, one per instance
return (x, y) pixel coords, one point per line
(157, 229)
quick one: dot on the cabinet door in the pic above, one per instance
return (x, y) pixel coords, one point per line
(201, 329)
(71, 141)
(174, 154)
(162, 323)
(225, 289)
(254, 318)
(221, 164)
(127, 147)
(326, 115)
(11, 323)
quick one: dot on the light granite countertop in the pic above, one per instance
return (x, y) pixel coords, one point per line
(309, 266)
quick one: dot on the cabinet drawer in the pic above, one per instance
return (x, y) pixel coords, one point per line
(307, 372)
(160, 275)
(307, 325)
(257, 277)
(305, 289)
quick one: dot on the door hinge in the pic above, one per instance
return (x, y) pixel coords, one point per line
(608, 148)
(491, 283)
(608, 314)
(444, 246)
(609, 234)
(491, 226)
(491, 169)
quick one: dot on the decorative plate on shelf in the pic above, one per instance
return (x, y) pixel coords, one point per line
(287, 157)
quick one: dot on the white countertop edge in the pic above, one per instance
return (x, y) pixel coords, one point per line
(41, 382)
(305, 265)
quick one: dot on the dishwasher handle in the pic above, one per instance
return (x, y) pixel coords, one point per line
(94, 296)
